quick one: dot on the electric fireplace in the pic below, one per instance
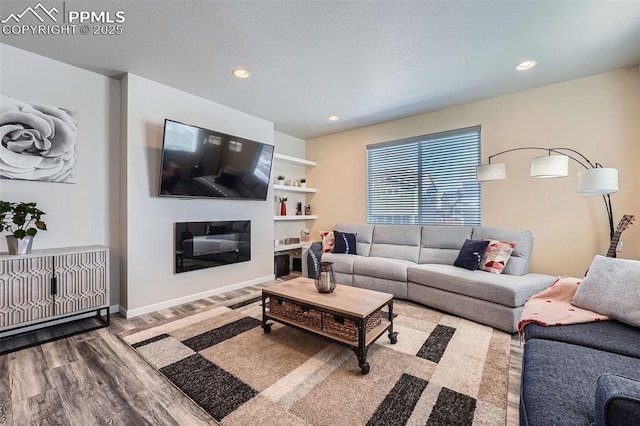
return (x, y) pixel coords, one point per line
(200, 245)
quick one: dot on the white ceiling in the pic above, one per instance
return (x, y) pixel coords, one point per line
(365, 61)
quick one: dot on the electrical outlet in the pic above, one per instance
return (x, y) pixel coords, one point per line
(619, 246)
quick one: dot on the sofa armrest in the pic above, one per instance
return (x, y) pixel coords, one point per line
(617, 401)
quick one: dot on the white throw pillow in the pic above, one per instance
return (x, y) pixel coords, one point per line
(611, 288)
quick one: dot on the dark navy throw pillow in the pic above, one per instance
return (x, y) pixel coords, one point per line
(470, 254)
(345, 242)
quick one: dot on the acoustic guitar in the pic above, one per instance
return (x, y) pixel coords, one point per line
(625, 222)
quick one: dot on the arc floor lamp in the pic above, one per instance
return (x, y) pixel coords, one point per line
(594, 180)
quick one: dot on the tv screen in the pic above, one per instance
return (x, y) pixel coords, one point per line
(202, 163)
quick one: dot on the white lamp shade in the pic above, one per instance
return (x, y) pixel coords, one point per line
(495, 171)
(550, 166)
(598, 181)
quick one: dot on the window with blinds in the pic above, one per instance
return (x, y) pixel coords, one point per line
(427, 180)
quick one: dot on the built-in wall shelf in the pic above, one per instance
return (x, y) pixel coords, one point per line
(296, 217)
(294, 188)
(294, 160)
(287, 247)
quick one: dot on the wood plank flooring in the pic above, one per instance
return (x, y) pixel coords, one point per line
(96, 379)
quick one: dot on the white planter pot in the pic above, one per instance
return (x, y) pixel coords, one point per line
(280, 182)
(19, 245)
(303, 184)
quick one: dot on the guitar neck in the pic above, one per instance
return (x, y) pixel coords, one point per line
(614, 243)
(625, 222)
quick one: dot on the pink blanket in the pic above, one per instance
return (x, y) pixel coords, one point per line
(553, 306)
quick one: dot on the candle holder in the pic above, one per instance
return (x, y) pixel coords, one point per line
(325, 281)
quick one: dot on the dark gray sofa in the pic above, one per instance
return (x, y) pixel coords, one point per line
(415, 262)
(581, 374)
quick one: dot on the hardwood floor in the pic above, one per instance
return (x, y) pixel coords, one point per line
(96, 379)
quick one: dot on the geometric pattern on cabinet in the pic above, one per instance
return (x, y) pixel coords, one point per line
(25, 290)
(50, 284)
(81, 282)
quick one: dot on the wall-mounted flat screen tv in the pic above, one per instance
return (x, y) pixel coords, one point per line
(202, 163)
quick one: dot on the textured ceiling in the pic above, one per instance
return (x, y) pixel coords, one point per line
(365, 61)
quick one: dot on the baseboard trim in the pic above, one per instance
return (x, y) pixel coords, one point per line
(114, 309)
(130, 313)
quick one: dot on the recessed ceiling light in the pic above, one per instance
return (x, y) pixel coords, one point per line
(333, 118)
(241, 73)
(526, 65)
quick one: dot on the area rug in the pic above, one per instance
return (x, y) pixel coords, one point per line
(443, 370)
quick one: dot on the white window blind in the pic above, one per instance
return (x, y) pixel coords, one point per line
(427, 180)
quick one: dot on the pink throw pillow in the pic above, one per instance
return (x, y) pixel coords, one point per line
(328, 241)
(496, 256)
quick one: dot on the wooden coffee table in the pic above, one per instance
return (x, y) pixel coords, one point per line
(350, 316)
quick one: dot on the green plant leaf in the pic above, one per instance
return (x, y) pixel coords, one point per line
(32, 232)
(20, 233)
(41, 225)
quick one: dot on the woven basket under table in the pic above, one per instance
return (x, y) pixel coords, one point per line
(347, 329)
(297, 313)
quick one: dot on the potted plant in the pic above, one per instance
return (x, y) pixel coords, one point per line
(280, 180)
(22, 220)
(283, 205)
(303, 183)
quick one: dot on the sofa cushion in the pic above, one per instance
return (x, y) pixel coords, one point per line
(507, 290)
(496, 256)
(441, 244)
(612, 288)
(345, 242)
(342, 263)
(559, 381)
(364, 235)
(610, 336)
(397, 288)
(470, 254)
(396, 241)
(380, 267)
(520, 258)
(328, 241)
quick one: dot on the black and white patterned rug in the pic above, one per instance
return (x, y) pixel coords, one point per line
(443, 371)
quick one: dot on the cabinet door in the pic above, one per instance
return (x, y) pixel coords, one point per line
(25, 290)
(82, 281)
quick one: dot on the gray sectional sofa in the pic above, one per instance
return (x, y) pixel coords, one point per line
(415, 263)
(581, 374)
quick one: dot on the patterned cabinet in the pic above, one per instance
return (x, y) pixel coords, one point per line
(82, 282)
(50, 284)
(25, 290)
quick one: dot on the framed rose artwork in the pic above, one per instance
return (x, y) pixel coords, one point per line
(38, 141)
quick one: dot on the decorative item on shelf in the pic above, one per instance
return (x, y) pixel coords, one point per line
(283, 205)
(304, 235)
(325, 281)
(280, 180)
(298, 209)
(22, 220)
(307, 209)
(303, 183)
(594, 180)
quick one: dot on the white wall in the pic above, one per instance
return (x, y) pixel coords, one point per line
(289, 145)
(149, 278)
(84, 213)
